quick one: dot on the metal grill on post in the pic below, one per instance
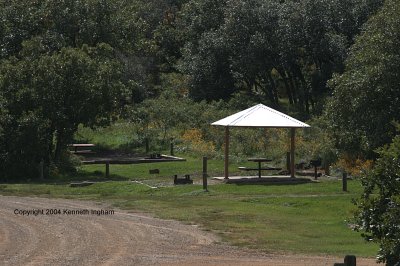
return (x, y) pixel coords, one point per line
(316, 163)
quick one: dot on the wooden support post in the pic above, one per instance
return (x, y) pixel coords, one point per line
(292, 143)
(172, 147)
(205, 174)
(226, 152)
(288, 161)
(107, 169)
(315, 172)
(344, 181)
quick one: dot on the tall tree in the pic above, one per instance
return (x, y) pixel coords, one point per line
(272, 49)
(366, 97)
(205, 53)
(46, 97)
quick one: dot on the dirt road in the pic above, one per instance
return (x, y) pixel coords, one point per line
(38, 231)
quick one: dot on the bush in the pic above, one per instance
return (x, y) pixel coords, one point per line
(194, 142)
(353, 166)
(378, 213)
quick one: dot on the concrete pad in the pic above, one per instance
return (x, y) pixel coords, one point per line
(272, 180)
(250, 177)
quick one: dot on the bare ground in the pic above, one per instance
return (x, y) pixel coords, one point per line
(120, 239)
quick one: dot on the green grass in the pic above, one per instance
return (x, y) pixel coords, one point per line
(307, 218)
(192, 166)
(119, 135)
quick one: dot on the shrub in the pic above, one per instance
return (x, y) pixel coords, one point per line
(378, 214)
(353, 166)
(193, 140)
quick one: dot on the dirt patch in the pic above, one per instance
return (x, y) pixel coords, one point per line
(121, 238)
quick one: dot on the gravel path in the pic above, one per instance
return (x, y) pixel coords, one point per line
(69, 237)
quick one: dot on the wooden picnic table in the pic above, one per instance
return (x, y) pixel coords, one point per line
(259, 161)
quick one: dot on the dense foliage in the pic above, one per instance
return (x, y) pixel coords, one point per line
(366, 97)
(272, 50)
(362, 115)
(47, 98)
(379, 208)
(65, 63)
(61, 66)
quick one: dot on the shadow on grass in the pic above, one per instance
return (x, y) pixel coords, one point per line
(96, 176)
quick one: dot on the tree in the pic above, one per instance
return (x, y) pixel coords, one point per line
(46, 97)
(250, 33)
(271, 49)
(208, 68)
(378, 213)
(366, 97)
(63, 63)
(205, 55)
(127, 26)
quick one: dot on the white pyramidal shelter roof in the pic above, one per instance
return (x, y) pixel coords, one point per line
(260, 116)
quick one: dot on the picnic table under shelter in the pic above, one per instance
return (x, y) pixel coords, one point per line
(260, 116)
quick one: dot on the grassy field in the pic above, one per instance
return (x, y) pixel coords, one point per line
(309, 218)
(192, 166)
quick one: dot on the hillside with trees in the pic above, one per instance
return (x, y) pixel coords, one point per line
(68, 63)
(167, 68)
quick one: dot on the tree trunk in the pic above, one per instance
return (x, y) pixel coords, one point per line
(292, 86)
(146, 140)
(305, 89)
(300, 93)
(283, 74)
(267, 90)
(273, 89)
(59, 146)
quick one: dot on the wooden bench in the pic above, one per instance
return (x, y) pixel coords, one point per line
(76, 147)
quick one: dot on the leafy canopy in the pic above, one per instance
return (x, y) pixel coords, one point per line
(366, 97)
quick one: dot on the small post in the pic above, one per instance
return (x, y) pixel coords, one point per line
(205, 174)
(107, 169)
(344, 181)
(172, 147)
(315, 172)
(350, 260)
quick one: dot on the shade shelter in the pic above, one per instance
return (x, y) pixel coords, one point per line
(260, 116)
